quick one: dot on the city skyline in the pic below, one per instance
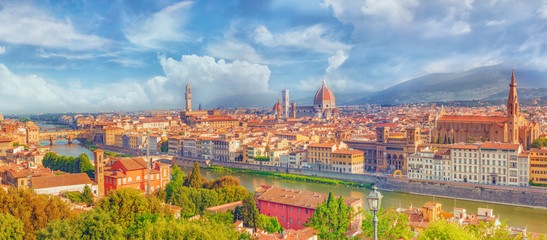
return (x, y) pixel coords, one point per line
(102, 56)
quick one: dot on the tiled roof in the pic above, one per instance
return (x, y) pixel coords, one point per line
(299, 198)
(491, 145)
(60, 180)
(472, 118)
(133, 163)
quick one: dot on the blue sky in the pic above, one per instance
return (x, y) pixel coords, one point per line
(132, 55)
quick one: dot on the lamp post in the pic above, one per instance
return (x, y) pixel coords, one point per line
(374, 201)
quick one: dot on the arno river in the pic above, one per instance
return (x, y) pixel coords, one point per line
(534, 219)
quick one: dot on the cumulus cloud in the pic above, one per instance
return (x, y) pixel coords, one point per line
(211, 79)
(315, 38)
(336, 61)
(234, 50)
(25, 24)
(163, 26)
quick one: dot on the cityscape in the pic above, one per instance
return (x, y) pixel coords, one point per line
(281, 120)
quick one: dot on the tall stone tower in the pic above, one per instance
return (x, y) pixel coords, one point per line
(513, 111)
(285, 96)
(99, 171)
(188, 97)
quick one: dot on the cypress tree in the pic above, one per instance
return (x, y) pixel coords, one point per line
(194, 180)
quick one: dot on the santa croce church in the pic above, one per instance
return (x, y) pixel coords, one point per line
(512, 128)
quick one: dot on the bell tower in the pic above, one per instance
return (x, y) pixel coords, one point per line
(513, 111)
(99, 171)
(188, 96)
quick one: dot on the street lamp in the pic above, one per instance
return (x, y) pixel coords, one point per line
(374, 201)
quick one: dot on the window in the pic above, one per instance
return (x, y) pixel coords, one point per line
(306, 211)
(119, 181)
(298, 221)
(138, 178)
(298, 211)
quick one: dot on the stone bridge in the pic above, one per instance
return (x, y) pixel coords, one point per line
(54, 134)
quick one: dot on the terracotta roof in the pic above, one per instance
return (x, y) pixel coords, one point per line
(323, 94)
(133, 163)
(299, 198)
(491, 145)
(323, 145)
(467, 146)
(60, 180)
(472, 118)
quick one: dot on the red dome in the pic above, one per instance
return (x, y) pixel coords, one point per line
(323, 94)
(277, 106)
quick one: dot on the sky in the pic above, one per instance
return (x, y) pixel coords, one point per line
(108, 55)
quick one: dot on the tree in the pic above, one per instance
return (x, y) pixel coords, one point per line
(85, 166)
(489, 230)
(195, 179)
(270, 224)
(11, 227)
(87, 196)
(248, 213)
(539, 143)
(124, 205)
(442, 230)
(332, 218)
(391, 225)
(33, 210)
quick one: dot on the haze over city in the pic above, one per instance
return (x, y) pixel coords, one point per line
(137, 55)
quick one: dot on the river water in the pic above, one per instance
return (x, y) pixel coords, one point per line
(534, 219)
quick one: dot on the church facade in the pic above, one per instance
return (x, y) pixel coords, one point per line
(511, 128)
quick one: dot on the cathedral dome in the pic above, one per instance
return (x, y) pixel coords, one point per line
(277, 106)
(324, 94)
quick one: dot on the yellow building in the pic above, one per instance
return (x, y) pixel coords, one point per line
(110, 135)
(5, 144)
(32, 133)
(538, 165)
(348, 161)
(320, 155)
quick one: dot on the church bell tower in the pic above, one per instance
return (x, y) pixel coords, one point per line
(513, 111)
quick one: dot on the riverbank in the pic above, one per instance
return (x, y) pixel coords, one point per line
(292, 177)
(92, 148)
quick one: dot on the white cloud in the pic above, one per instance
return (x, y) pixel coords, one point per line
(315, 38)
(234, 50)
(336, 61)
(163, 26)
(396, 11)
(495, 22)
(543, 10)
(211, 79)
(25, 24)
(2, 50)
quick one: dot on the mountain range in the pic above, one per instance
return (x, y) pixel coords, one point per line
(484, 83)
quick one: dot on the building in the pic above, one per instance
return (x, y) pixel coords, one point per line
(512, 128)
(389, 151)
(113, 174)
(293, 208)
(33, 133)
(538, 165)
(489, 163)
(175, 144)
(347, 161)
(430, 165)
(18, 176)
(188, 97)
(58, 184)
(324, 105)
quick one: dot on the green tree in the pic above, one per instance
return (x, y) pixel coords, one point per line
(59, 229)
(99, 225)
(195, 179)
(489, 231)
(270, 224)
(391, 225)
(125, 204)
(248, 213)
(87, 196)
(85, 166)
(442, 230)
(332, 218)
(11, 227)
(539, 143)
